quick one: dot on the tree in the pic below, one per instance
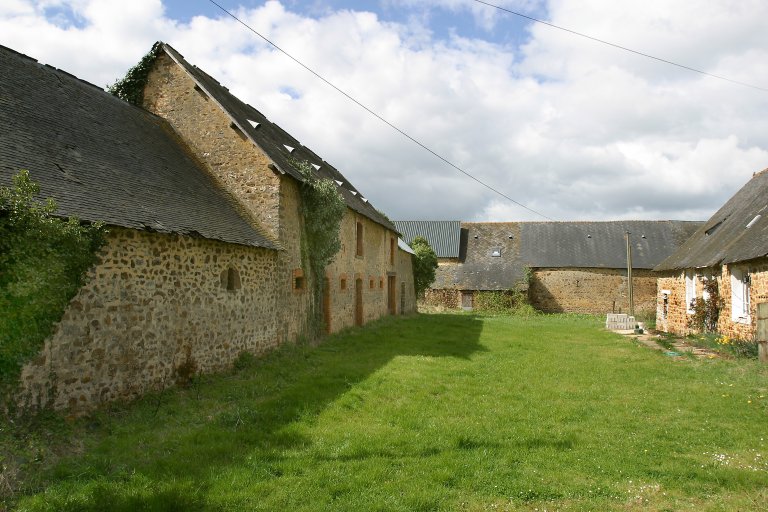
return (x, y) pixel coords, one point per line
(424, 265)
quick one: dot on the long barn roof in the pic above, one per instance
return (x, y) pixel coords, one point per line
(282, 148)
(103, 159)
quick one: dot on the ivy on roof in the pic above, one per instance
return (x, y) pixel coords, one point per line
(131, 87)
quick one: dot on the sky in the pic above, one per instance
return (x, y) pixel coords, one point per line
(570, 128)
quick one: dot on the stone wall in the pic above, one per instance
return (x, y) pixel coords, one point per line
(673, 317)
(591, 290)
(161, 306)
(154, 304)
(371, 271)
(445, 297)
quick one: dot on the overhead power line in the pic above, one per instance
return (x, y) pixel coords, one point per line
(378, 116)
(630, 50)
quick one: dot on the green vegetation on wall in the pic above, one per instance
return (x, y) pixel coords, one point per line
(706, 312)
(43, 261)
(131, 87)
(424, 265)
(323, 209)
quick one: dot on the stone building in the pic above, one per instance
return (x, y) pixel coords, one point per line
(564, 266)
(205, 257)
(731, 248)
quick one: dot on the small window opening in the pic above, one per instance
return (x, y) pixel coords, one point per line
(372, 284)
(381, 282)
(496, 252)
(392, 246)
(230, 279)
(343, 283)
(299, 283)
(201, 92)
(238, 131)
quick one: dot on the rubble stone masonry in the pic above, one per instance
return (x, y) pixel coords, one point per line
(154, 304)
(671, 309)
(591, 290)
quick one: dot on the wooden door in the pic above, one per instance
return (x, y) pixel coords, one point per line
(392, 294)
(358, 302)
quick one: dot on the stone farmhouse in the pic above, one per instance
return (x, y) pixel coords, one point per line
(564, 266)
(204, 256)
(732, 248)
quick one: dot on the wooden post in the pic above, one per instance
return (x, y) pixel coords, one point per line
(762, 332)
(629, 277)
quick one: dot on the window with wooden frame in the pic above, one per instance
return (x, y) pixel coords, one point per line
(343, 282)
(740, 299)
(392, 249)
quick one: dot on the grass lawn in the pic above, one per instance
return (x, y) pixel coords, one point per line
(434, 412)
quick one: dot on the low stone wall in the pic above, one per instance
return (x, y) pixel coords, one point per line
(157, 306)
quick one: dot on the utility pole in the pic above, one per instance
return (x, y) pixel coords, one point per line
(629, 276)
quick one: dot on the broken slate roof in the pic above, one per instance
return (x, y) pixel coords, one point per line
(275, 142)
(103, 159)
(736, 232)
(443, 235)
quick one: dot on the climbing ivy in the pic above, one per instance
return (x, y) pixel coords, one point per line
(131, 87)
(322, 208)
(43, 261)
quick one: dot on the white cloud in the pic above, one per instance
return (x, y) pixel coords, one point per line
(568, 127)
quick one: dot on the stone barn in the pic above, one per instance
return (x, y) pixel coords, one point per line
(205, 252)
(564, 266)
(731, 248)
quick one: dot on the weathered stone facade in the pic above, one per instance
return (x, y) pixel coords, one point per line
(672, 311)
(591, 290)
(154, 304)
(161, 307)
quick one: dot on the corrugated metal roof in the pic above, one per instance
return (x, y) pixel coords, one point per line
(278, 144)
(404, 246)
(103, 159)
(734, 233)
(443, 235)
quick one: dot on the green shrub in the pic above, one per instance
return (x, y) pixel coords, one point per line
(424, 265)
(43, 261)
(510, 302)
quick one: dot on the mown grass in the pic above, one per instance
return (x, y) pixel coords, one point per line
(434, 412)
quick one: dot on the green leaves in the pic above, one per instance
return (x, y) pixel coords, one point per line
(424, 264)
(43, 260)
(131, 87)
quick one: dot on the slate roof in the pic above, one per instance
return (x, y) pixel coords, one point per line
(442, 235)
(276, 143)
(736, 232)
(102, 159)
(601, 244)
(555, 245)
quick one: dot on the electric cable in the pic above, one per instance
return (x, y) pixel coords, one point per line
(378, 116)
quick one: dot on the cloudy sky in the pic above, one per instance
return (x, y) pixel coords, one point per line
(571, 128)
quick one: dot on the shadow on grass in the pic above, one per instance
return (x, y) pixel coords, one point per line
(161, 447)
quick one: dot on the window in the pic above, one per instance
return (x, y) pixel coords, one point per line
(299, 283)
(230, 279)
(392, 246)
(740, 284)
(690, 290)
(359, 251)
(496, 252)
(372, 284)
(343, 283)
